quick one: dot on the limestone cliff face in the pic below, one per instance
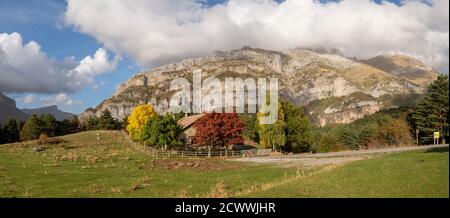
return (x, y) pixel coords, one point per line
(332, 88)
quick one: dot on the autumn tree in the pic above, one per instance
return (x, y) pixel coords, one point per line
(161, 131)
(138, 118)
(218, 130)
(272, 135)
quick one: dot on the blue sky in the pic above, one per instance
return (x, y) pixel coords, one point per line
(42, 21)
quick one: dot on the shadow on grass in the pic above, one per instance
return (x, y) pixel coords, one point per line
(440, 150)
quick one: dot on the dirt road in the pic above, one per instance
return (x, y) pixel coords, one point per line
(318, 159)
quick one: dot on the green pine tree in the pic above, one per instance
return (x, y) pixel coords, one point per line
(47, 124)
(11, 131)
(31, 130)
(431, 114)
(107, 121)
(92, 123)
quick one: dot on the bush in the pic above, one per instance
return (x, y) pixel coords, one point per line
(328, 142)
(382, 129)
(43, 138)
(393, 133)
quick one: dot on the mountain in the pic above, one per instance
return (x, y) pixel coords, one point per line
(331, 87)
(53, 110)
(404, 67)
(9, 110)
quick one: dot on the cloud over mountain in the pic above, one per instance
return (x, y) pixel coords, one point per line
(26, 68)
(155, 32)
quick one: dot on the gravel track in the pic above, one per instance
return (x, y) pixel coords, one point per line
(319, 159)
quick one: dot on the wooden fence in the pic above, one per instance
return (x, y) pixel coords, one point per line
(180, 154)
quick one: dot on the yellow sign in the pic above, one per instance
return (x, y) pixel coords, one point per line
(436, 135)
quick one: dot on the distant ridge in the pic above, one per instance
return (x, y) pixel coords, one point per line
(9, 110)
(53, 110)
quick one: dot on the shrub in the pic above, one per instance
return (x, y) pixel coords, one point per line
(396, 132)
(43, 138)
(382, 129)
(328, 142)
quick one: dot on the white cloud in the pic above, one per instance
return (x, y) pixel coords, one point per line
(59, 99)
(155, 32)
(29, 99)
(26, 68)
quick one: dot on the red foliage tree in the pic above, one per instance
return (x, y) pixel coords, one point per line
(217, 130)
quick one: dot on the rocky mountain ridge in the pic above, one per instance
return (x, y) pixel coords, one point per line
(331, 87)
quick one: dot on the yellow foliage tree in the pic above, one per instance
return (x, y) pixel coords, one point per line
(272, 135)
(138, 118)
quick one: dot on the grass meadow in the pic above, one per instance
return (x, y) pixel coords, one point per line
(101, 164)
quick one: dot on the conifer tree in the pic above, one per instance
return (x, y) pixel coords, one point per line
(431, 114)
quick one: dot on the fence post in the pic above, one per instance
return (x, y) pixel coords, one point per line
(195, 154)
(209, 152)
(226, 153)
(232, 153)
(182, 154)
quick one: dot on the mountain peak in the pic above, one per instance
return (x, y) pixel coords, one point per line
(405, 67)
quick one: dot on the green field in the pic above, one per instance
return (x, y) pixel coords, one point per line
(414, 174)
(101, 164)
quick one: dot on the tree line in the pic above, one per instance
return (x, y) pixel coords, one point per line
(15, 130)
(292, 132)
(392, 127)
